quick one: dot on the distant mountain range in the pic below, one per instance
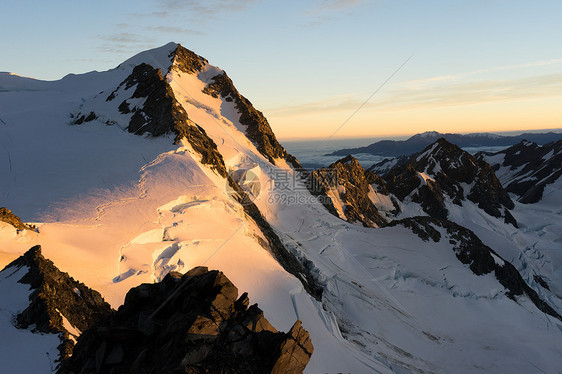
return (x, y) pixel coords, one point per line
(418, 142)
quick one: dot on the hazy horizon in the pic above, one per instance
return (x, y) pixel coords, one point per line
(403, 137)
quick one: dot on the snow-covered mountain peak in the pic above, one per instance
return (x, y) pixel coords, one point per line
(159, 58)
(166, 58)
(453, 175)
(428, 134)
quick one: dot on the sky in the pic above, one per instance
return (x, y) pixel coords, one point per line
(325, 69)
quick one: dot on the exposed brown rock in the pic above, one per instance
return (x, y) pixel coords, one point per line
(7, 216)
(186, 60)
(353, 182)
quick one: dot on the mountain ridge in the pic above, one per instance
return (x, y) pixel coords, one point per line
(414, 144)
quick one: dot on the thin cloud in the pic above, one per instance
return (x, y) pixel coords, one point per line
(123, 43)
(209, 8)
(328, 5)
(174, 30)
(334, 104)
(452, 94)
(122, 37)
(327, 11)
(424, 82)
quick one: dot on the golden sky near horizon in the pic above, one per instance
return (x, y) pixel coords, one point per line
(507, 98)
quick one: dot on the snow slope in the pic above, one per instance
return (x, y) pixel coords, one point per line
(114, 210)
(21, 350)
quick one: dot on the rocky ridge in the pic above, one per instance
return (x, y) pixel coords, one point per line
(386, 165)
(418, 142)
(444, 171)
(299, 267)
(480, 258)
(154, 109)
(351, 185)
(7, 216)
(194, 323)
(257, 128)
(160, 113)
(56, 297)
(526, 168)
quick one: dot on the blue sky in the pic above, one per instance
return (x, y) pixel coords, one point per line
(493, 65)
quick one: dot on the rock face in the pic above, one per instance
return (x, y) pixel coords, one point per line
(525, 169)
(160, 112)
(193, 323)
(480, 258)
(384, 166)
(7, 216)
(148, 99)
(187, 61)
(55, 296)
(352, 188)
(257, 128)
(301, 268)
(444, 171)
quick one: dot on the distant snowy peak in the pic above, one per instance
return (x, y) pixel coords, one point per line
(440, 175)
(428, 134)
(525, 169)
(416, 143)
(442, 172)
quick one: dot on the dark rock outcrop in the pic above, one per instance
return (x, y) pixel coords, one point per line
(444, 170)
(161, 113)
(527, 168)
(193, 323)
(300, 268)
(351, 183)
(187, 61)
(257, 128)
(382, 167)
(7, 216)
(56, 295)
(480, 258)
